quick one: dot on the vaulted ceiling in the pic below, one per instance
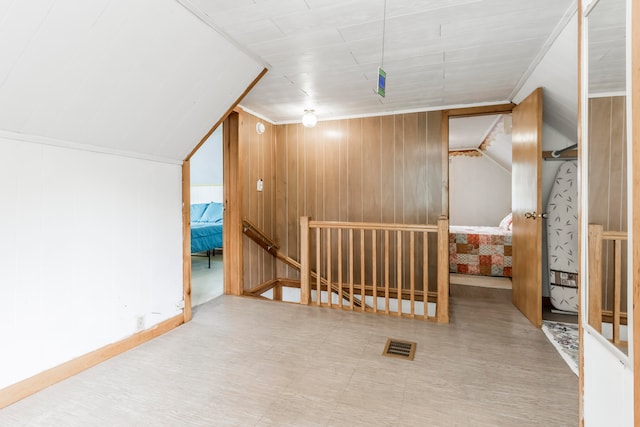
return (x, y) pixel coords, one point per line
(144, 78)
(324, 54)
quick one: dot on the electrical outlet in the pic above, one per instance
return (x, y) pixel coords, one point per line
(140, 323)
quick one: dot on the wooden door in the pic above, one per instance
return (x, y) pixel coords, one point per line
(527, 207)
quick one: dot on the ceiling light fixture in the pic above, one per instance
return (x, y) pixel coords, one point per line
(309, 118)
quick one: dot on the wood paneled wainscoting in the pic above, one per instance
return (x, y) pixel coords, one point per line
(346, 274)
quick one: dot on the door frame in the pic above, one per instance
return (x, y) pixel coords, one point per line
(459, 113)
(232, 217)
(462, 112)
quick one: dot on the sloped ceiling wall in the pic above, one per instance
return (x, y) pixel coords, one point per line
(557, 74)
(145, 77)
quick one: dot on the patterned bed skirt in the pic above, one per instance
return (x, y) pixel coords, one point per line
(484, 251)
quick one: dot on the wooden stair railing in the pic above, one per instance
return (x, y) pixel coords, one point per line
(354, 261)
(258, 236)
(597, 236)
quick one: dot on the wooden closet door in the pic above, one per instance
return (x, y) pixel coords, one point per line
(527, 207)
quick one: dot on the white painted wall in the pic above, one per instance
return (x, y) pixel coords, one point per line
(100, 102)
(206, 163)
(206, 170)
(89, 242)
(608, 387)
(479, 191)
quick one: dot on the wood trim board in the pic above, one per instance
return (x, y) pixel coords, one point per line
(232, 223)
(186, 239)
(635, 195)
(232, 108)
(34, 384)
(580, 237)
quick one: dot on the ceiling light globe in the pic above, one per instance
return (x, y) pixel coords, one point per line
(309, 119)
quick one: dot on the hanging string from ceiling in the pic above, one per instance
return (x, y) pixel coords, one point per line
(382, 75)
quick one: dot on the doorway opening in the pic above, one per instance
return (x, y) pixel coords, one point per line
(207, 208)
(479, 151)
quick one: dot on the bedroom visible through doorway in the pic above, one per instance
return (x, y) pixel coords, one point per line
(480, 200)
(206, 179)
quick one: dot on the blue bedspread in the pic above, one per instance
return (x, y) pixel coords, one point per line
(205, 236)
(206, 226)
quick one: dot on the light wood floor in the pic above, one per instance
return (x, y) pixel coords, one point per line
(247, 362)
(206, 283)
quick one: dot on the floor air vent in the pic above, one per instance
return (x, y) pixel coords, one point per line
(398, 348)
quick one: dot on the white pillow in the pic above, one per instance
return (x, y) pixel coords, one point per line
(506, 222)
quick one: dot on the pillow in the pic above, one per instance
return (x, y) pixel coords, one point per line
(213, 213)
(197, 210)
(506, 222)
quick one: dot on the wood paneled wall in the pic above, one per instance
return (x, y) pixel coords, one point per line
(257, 153)
(378, 169)
(608, 181)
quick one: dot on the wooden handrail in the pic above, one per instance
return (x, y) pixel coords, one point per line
(254, 233)
(614, 235)
(371, 226)
(258, 236)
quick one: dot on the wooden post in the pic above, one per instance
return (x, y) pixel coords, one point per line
(412, 272)
(232, 224)
(305, 264)
(594, 282)
(318, 269)
(339, 268)
(386, 271)
(617, 284)
(351, 269)
(186, 239)
(329, 278)
(399, 271)
(425, 274)
(363, 293)
(374, 267)
(442, 307)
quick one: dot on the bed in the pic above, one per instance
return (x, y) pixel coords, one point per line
(206, 228)
(481, 250)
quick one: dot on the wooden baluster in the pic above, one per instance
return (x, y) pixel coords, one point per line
(617, 284)
(595, 277)
(329, 283)
(425, 273)
(318, 269)
(351, 269)
(362, 275)
(442, 307)
(340, 268)
(399, 270)
(305, 267)
(386, 271)
(412, 271)
(374, 266)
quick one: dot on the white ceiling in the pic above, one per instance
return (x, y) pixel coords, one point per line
(467, 133)
(135, 78)
(606, 25)
(324, 54)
